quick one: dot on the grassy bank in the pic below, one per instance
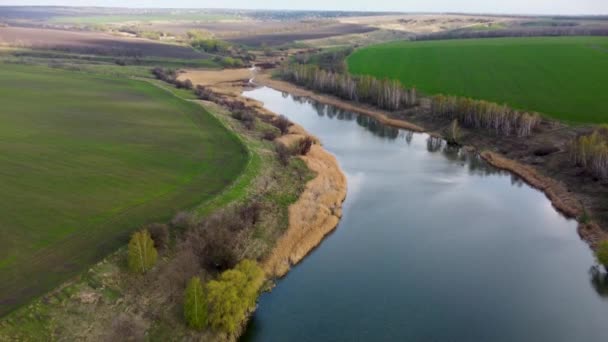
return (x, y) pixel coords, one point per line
(85, 160)
(110, 302)
(563, 77)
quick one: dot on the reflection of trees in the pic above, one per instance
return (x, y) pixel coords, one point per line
(377, 128)
(299, 99)
(319, 108)
(599, 281)
(434, 144)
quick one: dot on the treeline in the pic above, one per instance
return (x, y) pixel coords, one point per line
(535, 32)
(482, 114)
(591, 152)
(386, 94)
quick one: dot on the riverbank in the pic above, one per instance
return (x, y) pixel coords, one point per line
(571, 192)
(319, 208)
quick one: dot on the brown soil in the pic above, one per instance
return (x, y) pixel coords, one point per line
(571, 190)
(318, 210)
(92, 42)
(273, 39)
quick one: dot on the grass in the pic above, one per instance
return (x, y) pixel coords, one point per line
(85, 160)
(61, 315)
(562, 77)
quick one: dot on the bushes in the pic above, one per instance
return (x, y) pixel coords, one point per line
(591, 152)
(142, 254)
(170, 76)
(282, 123)
(246, 117)
(218, 241)
(303, 146)
(159, 234)
(482, 114)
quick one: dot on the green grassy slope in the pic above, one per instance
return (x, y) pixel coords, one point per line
(563, 77)
(85, 160)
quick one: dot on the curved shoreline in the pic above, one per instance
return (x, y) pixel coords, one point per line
(318, 210)
(562, 199)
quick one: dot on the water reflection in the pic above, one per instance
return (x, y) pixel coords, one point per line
(599, 281)
(517, 269)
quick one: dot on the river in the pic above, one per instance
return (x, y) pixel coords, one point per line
(434, 245)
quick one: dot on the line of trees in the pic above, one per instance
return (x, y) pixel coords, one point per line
(386, 94)
(591, 152)
(528, 32)
(483, 114)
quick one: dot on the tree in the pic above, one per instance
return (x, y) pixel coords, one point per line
(195, 305)
(602, 253)
(233, 295)
(226, 308)
(142, 254)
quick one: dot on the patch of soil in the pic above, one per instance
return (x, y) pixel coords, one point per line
(92, 43)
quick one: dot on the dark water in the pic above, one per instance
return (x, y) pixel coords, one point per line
(434, 245)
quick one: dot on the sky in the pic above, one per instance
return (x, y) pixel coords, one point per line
(466, 6)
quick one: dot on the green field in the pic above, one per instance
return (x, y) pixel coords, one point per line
(562, 77)
(85, 160)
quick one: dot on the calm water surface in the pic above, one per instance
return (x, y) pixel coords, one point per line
(434, 245)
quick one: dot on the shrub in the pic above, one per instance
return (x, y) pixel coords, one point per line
(602, 253)
(125, 327)
(282, 123)
(204, 93)
(142, 254)
(303, 146)
(182, 221)
(283, 153)
(269, 135)
(160, 235)
(247, 118)
(195, 305)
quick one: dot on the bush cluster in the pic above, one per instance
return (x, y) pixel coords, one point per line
(171, 76)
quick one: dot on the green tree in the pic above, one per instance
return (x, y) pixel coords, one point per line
(226, 308)
(602, 253)
(233, 295)
(142, 254)
(195, 304)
